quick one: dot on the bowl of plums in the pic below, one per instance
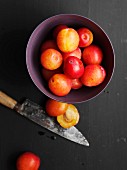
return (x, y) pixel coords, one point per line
(70, 58)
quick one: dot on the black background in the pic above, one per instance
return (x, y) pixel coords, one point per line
(103, 119)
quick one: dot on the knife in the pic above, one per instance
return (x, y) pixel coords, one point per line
(37, 114)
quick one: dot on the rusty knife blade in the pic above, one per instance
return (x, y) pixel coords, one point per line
(38, 115)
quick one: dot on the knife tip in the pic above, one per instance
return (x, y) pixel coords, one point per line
(85, 143)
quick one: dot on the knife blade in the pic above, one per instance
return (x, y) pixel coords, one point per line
(37, 114)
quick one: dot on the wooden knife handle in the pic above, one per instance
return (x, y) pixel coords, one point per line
(7, 101)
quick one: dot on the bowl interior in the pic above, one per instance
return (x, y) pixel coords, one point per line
(33, 56)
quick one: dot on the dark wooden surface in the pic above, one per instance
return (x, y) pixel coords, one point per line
(103, 119)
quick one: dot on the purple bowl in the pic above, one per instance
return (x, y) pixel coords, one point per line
(76, 21)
